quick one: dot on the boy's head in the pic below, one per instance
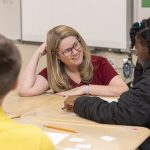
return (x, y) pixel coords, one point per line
(138, 27)
(142, 45)
(140, 38)
(10, 63)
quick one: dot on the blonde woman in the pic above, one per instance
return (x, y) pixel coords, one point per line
(71, 70)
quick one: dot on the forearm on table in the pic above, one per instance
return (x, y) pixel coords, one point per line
(106, 90)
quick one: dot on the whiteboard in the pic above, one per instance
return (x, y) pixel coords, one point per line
(101, 23)
(10, 25)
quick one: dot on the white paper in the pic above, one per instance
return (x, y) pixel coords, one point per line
(110, 99)
(71, 149)
(74, 139)
(108, 138)
(56, 137)
(85, 146)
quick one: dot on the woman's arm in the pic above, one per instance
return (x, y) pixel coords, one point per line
(115, 88)
(31, 84)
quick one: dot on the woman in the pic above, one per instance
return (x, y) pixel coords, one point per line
(71, 70)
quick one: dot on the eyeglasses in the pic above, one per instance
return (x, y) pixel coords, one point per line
(67, 52)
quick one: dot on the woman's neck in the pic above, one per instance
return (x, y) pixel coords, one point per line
(73, 74)
(72, 69)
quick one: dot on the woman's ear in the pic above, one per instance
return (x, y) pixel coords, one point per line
(58, 57)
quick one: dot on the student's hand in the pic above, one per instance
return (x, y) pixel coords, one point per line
(42, 49)
(69, 103)
(75, 91)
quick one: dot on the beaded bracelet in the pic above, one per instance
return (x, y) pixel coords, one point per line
(86, 89)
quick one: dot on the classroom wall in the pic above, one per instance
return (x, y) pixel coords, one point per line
(19, 19)
(141, 9)
(101, 23)
(10, 19)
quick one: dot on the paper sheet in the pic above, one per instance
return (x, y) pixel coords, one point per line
(56, 137)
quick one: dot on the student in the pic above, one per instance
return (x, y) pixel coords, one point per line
(138, 71)
(14, 136)
(133, 106)
(71, 70)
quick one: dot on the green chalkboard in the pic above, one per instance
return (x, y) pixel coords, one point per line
(145, 3)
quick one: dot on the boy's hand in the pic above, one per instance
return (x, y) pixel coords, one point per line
(69, 103)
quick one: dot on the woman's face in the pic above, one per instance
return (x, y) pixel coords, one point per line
(70, 52)
(141, 52)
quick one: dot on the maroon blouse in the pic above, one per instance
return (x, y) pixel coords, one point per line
(103, 72)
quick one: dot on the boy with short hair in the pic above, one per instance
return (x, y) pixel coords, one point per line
(14, 136)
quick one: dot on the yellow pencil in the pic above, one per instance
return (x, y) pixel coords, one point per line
(58, 128)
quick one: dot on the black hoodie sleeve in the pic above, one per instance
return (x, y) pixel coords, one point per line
(132, 108)
(129, 110)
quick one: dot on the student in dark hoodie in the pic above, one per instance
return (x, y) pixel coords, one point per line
(133, 106)
(138, 71)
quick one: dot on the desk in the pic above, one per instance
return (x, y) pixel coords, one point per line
(46, 109)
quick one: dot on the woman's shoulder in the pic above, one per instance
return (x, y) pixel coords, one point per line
(98, 59)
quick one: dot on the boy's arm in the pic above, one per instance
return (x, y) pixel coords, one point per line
(127, 111)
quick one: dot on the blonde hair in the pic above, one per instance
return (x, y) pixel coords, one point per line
(57, 77)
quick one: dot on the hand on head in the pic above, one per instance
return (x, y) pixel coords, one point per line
(42, 50)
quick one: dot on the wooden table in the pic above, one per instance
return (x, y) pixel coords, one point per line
(46, 109)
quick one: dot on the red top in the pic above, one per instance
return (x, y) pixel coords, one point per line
(103, 72)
